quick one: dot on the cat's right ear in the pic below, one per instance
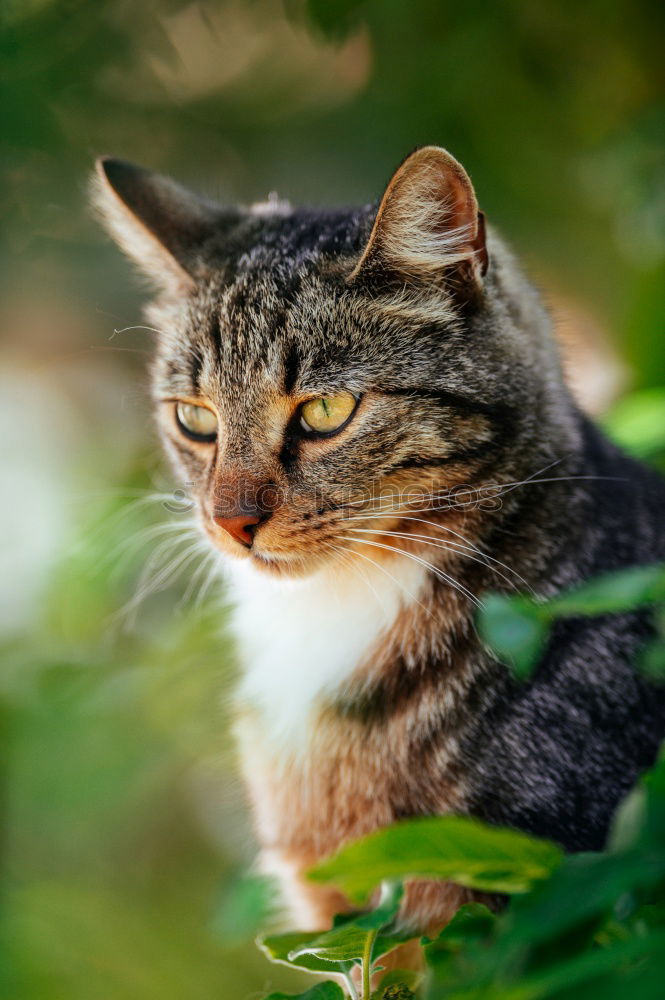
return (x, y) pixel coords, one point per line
(428, 227)
(159, 225)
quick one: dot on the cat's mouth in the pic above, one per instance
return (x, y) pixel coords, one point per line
(282, 565)
(272, 562)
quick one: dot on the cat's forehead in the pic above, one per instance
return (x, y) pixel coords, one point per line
(280, 305)
(275, 329)
(283, 241)
(278, 315)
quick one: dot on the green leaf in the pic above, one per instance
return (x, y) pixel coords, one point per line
(585, 886)
(637, 422)
(472, 925)
(586, 966)
(640, 818)
(642, 983)
(278, 948)
(654, 783)
(342, 944)
(386, 909)
(623, 590)
(335, 18)
(515, 629)
(652, 661)
(346, 941)
(322, 991)
(472, 922)
(628, 821)
(398, 977)
(396, 991)
(454, 848)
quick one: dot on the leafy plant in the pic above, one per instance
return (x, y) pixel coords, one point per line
(592, 921)
(517, 626)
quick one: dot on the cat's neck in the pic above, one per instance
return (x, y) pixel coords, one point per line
(302, 641)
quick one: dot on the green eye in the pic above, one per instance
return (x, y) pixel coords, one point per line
(197, 422)
(328, 413)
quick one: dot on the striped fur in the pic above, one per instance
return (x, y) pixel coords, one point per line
(367, 694)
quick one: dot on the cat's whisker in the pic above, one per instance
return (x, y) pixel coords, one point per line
(136, 541)
(214, 570)
(197, 575)
(150, 584)
(138, 326)
(557, 479)
(402, 586)
(445, 492)
(119, 493)
(446, 545)
(415, 502)
(114, 520)
(170, 544)
(443, 501)
(439, 573)
(467, 544)
(345, 558)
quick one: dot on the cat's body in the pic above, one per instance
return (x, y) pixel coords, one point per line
(441, 729)
(462, 465)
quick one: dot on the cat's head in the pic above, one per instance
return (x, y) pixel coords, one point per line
(322, 377)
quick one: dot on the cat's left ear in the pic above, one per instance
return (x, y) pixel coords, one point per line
(160, 225)
(428, 226)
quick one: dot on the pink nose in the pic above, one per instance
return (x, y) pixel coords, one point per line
(241, 527)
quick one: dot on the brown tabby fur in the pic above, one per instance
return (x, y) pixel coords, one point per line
(423, 314)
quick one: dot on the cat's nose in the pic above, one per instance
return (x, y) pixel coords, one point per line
(240, 526)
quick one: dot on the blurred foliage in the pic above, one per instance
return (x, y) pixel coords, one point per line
(119, 852)
(557, 110)
(123, 828)
(517, 627)
(588, 921)
(592, 922)
(637, 423)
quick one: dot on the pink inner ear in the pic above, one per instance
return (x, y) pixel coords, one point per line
(455, 192)
(428, 222)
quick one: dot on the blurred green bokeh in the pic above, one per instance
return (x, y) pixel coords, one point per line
(123, 819)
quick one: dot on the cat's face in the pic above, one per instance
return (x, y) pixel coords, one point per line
(316, 380)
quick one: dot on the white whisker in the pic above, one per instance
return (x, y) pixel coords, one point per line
(446, 545)
(133, 544)
(197, 574)
(149, 585)
(467, 544)
(423, 562)
(207, 583)
(344, 556)
(373, 562)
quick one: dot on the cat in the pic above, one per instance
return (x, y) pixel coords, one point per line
(371, 408)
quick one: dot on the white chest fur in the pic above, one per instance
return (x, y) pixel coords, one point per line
(301, 640)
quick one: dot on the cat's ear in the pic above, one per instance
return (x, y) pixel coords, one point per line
(159, 225)
(428, 226)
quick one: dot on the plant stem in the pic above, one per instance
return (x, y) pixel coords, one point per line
(367, 965)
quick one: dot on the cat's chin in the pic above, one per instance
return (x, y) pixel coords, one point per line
(283, 566)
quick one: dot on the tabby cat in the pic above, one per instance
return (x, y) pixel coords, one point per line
(371, 410)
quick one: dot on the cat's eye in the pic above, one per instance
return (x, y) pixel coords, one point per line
(328, 414)
(196, 422)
